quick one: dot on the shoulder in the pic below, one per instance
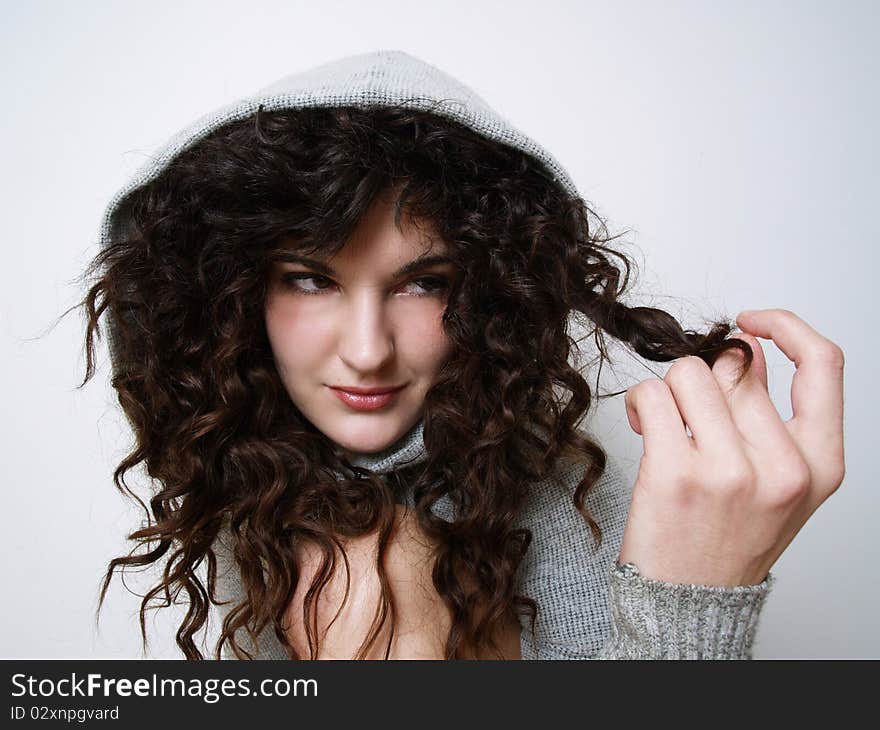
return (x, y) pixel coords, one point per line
(607, 500)
(565, 570)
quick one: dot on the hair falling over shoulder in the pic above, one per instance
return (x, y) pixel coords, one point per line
(218, 435)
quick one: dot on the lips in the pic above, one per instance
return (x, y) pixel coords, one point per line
(366, 399)
(375, 390)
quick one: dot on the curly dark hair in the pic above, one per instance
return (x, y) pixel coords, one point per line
(228, 449)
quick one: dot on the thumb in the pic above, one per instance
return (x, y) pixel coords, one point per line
(631, 414)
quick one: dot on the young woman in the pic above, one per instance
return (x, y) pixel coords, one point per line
(340, 320)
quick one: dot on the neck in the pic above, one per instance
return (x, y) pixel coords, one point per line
(408, 449)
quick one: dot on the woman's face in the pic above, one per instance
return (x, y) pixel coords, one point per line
(368, 318)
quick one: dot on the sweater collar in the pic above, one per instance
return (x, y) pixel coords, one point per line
(409, 449)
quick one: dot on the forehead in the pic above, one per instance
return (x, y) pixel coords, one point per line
(379, 235)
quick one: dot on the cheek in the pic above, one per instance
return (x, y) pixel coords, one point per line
(294, 338)
(426, 342)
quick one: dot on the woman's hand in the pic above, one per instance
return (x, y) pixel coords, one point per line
(719, 507)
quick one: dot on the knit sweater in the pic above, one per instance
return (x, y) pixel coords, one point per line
(587, 606)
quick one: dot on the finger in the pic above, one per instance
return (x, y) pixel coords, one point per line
(704, 408)
(729, 365)
(761, 428)
(734, 360)
(817, 386)
(652, 412)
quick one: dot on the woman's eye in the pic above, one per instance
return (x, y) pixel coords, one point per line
(306, 283)
(430, 285)
(295, 281)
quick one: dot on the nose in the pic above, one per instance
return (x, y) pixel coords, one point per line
(366, 337)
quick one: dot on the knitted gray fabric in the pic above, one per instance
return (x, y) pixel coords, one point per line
(569, 577)
(564, 571)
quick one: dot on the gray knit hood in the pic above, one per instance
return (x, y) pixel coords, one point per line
(378, 78)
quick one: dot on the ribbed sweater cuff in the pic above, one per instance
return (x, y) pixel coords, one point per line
(657, 620)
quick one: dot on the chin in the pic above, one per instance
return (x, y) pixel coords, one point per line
(367, 435)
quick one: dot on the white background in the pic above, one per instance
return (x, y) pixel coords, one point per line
(736, 140)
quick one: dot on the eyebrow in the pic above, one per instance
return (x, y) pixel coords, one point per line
(422, 262)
